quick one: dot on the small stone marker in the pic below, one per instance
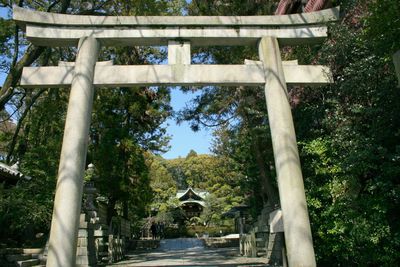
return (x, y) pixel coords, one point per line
(276, 221)
(179, 52)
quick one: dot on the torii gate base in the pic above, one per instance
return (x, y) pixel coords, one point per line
(178, 33)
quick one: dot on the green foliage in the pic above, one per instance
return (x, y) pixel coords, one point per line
(215, 175)
(191, 153)
(210, 173)
(350, 151)
(213, 210)
(144, 7)
(210, 231)
(231, 7)
(382, 26)
(26, 209)
(162, 184)
(240, 144)
(126, 125)
(6, 34)
(176, 232)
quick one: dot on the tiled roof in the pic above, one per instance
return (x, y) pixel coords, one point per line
(201, 193)
(10, 174)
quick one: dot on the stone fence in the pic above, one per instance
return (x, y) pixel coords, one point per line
(265, 239)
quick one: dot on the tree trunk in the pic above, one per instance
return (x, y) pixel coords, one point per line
(111, 209)
(267, 186)
(269, 192)
(125, 209)
(19, 124)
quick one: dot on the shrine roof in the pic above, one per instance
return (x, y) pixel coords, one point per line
(11, 174)
(201, 203)
(195, 192)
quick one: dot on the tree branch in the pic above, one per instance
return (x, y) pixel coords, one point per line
(16, 109)
(13, 77)
(19, 124)
(31, 54)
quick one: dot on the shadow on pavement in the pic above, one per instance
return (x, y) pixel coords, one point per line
(188, 252)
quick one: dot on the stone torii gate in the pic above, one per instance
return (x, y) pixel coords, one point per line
(179, 33)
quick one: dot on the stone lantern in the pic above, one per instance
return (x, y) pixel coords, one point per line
(90, 191)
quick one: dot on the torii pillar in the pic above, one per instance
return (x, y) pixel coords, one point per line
(68, 198)
(298, 238)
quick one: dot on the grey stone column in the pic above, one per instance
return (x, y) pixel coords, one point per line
(300, 250)
(68, 198)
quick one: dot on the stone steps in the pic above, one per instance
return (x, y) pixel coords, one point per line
(28, 263)
(32, 251)
(21, 257)
(261, 252)
(18, 257)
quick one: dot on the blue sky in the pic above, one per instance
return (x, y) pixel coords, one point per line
(183, 138)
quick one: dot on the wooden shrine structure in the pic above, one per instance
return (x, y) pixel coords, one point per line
(192, 201)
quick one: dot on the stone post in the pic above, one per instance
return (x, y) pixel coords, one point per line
(68, 198)
(179, 52)
(296, 223)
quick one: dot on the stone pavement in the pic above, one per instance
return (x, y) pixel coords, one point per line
(188, 252)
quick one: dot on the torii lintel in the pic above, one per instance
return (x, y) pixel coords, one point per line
(51, 29)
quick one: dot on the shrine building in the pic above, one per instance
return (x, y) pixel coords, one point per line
(192, 201)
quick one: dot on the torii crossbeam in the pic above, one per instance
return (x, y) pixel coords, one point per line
(179, 33)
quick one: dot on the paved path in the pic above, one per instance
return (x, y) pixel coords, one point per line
(188, 252)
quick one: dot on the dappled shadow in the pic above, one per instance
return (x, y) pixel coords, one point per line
(190, 257)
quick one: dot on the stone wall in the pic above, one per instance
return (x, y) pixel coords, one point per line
(220, 242)
(265, 238)
(143, 244)
(87, 251)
